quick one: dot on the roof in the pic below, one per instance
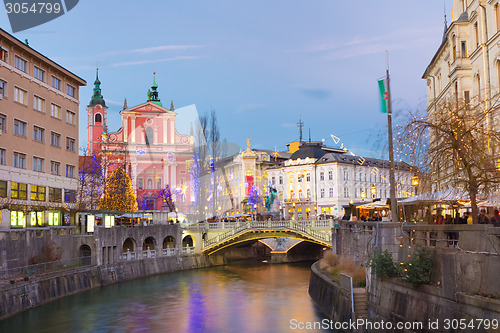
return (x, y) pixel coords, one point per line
(29, 49)
(309, 149)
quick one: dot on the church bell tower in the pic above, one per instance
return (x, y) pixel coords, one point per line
(97, 119)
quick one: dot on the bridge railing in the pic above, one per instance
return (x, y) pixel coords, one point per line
(305, 229)
(204, 226)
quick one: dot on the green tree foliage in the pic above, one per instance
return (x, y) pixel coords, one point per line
(418, 270)
(118, 194)
(383, 265)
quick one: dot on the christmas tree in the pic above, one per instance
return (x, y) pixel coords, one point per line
(118, 194)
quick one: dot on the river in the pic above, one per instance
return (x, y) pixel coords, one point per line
(249, 297)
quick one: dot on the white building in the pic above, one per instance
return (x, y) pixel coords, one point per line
(319, 180)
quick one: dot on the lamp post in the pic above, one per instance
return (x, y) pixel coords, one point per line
(254, 211)
(293, 213)
(176, 215)
(206, 208)
(373, 191)
(415, 181)
(363, 195)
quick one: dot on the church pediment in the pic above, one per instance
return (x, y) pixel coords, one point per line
(148, 107)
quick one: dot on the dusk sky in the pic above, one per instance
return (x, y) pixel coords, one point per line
(261, 65)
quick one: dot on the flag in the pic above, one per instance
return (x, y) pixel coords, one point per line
(382, 86)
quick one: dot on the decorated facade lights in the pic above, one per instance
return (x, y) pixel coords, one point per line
(373, 191)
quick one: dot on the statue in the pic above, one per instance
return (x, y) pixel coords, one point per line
(248, 143)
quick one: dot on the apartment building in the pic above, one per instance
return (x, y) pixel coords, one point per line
(38, 137)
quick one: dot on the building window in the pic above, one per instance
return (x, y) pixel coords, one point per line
(299, 178)
(149, 136)
(321, 176)
(3, 89)
(463, 49)
(150, 184)
(3, 156)
(3, 54)
(476, 34)
(70, 144)
(291, 195)
(140, 184)
(281, 180)
(55, 194)
(19, 128)
(98, 118)
(70, 196)
(158, 183)
(38, 164)
(20, 96)
(70, 90)
(330, 175)
(20, 63)
(331, 192)
(55, 139)
(39, 74)
(38, 104)
(56, 83)
(55, 111)
(55, 168)
(346, 192)
(70, 171)
(20, 160)
(322, 193)
(3, 189)
(37, 193)
(18, 191)
(38, 134)
(466, 99)
(497, 17)
(273, 180)
(308, 192)
(308, 177)
(70, 117)
(3, 123)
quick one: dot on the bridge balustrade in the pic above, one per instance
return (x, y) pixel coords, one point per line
(169, 252)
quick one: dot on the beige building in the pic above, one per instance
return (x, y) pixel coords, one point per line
(38, 137)
(466, 66)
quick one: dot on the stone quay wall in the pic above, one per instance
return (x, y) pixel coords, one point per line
(18, 296)
(332, 300)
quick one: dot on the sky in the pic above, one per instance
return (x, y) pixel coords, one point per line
(261, 65)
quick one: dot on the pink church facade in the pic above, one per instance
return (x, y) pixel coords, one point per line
(148, 146)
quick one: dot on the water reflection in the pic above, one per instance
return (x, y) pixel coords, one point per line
(234, 298)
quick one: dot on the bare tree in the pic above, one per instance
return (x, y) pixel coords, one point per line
(456, 145)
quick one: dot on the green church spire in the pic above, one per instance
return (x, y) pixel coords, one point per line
(96, 96)
(153, 93)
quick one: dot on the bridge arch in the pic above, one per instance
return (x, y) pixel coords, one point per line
(149, 244)
(188, 241)
(169, 242)
(253, 235)
(129, 245)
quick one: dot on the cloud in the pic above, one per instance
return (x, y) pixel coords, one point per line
(151, 50)
(288, 125)
(142, 62)
(316, 93)
(249, 107)
(112, 102)
(361, 45)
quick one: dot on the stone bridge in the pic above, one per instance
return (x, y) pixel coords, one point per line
(216, 236)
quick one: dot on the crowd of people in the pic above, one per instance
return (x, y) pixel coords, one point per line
(466, 218)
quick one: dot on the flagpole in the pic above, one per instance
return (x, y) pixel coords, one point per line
(392, 178)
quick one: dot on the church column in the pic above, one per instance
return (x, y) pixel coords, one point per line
(125, 128)
(171, 128)
(133, 129)
(165, 129)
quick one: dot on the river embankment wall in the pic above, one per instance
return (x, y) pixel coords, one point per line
(332, 300)
(19, 295)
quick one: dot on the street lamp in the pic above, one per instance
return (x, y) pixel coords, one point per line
(206, 208)
(293, 216)
(373, 191)
(363, 195)
(254, 211)
(176, 216)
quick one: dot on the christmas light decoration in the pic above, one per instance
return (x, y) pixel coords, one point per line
(118, 194)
